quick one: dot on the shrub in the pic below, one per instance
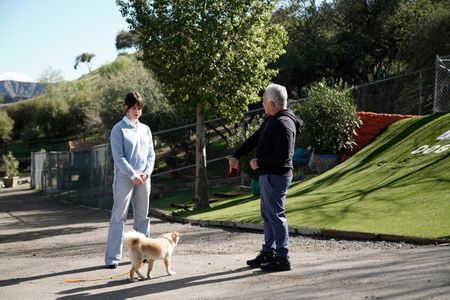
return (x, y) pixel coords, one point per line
(11, 165)
(330, 119)
(6, 126)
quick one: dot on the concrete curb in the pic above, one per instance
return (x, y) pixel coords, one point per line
(329, 233)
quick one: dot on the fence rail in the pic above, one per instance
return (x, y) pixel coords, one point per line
(85, 177)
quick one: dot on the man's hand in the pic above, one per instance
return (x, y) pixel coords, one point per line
(254, 163)
(234, 163)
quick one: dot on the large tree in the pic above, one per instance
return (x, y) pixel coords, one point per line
(6, 126)
(308, 56)
(65, 110)
(365, 48)
(422, 31)
(127, 74)
(211, 54)
(84, 58)
(346, 41)
(124, 41)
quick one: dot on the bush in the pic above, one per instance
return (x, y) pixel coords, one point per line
(330, 119)
(6, 126)
(124, 76)
(11, 165)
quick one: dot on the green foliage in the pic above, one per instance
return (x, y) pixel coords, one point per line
(383, 189)
(24, 115)
(345, 41)
(72, 109)
(127, 74)
(125, 40)
(122, 63)
(365, 49)
(421, 30)
(10, 164)
(330, 118)
(211, 55)
(309, 52)
(6, 126)
(213, 52)
(66, 109)
(50, 76)
(84, 58)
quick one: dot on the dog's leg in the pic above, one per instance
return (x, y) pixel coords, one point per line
(136, 260)
(132, 274)
(150, 268)
(137, 264)
(167, 264)
(135, 269)
(139, 274)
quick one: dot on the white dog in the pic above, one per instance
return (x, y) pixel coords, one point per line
(140, 247)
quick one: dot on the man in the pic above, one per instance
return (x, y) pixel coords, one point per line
(274, 142)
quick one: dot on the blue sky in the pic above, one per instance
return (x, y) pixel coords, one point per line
(39, 35)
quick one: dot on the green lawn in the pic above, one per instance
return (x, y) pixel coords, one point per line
(382, 189)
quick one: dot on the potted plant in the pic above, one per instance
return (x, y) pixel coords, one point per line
(11, 166)
(330, 121)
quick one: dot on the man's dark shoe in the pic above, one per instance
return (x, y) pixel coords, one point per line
(277, 264)
(111, 266)
(262, 257)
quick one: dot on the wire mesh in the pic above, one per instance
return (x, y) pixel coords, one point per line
(85, 177)
(410, 93)
(442, 85)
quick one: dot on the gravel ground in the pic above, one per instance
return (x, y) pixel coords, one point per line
(44, 242)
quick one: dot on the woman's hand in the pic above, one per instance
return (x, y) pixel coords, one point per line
(144, 176)
(138, 180)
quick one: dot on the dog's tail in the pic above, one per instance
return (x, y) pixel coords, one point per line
(131, 238)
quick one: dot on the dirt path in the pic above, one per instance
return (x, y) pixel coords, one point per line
(43, 242)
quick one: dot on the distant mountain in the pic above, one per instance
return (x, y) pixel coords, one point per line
(12, 91)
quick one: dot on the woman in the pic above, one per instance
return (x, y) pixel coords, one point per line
(134, 158)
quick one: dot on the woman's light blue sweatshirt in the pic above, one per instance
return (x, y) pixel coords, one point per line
(132, 148)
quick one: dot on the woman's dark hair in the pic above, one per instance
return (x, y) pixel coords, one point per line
(132, 99)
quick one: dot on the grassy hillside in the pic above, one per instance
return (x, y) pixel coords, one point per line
(382, 189)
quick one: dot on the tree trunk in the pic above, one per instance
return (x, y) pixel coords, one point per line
(201, 180)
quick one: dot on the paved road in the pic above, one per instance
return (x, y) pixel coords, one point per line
(44, 242)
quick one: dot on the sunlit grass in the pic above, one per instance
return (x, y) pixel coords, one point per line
(382, 189)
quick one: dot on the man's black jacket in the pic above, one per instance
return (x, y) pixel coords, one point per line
(274, 142)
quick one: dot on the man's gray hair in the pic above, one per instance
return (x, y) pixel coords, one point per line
(277, 94)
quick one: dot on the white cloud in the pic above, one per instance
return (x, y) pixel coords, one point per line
(16, 76)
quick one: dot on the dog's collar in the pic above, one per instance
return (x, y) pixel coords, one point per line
(170, 241)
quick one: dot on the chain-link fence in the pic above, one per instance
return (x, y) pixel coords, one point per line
(85, 177)
(442, 85)
(410, 93)
(80, 177)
